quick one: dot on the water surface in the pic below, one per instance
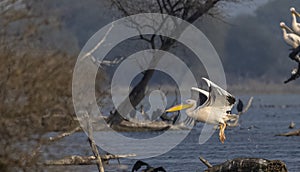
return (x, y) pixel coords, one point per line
(269, 115)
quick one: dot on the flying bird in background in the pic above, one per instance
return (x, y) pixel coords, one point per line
(147, 168)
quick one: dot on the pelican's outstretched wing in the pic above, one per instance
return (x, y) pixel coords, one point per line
(218, 96)
(201, 94)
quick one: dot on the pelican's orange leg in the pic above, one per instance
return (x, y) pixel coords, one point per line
(222, 132)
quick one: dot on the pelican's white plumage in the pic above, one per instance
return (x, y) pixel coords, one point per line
(215, 110)
(290, 38)
(295, 24)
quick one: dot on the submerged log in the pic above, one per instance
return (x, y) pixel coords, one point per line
(248, 164)
(292, 133)
(141, 126)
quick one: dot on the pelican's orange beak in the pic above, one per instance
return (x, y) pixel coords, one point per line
(179, 107)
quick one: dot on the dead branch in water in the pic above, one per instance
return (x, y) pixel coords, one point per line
(42, 142)
(247, 107)
(205, 162)
(84, 160)
(292, 133)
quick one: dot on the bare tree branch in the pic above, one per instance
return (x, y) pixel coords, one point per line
(65, 134)
(202, 10)
(97, 45)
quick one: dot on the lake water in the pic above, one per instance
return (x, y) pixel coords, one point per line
(269, 115)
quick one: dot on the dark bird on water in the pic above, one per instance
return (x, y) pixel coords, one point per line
(240, 106)
(139, 164)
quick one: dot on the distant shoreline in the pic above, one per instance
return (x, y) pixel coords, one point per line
(241, 89)
(264, 88)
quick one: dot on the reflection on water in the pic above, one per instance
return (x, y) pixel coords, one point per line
(268, 116)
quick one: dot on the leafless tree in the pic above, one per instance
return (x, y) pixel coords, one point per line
(188, 10)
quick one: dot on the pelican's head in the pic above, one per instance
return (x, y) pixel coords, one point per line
(189, 103)
(285, 27)
(293, 11)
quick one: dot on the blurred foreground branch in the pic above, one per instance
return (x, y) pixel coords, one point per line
(93, 144)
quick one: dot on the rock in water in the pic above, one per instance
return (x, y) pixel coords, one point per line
(249, 164)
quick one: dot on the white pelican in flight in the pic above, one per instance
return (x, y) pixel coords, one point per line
(291, 38)
(295, 24)
(215, 110)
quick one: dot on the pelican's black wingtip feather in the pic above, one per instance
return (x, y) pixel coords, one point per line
(231, 100)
